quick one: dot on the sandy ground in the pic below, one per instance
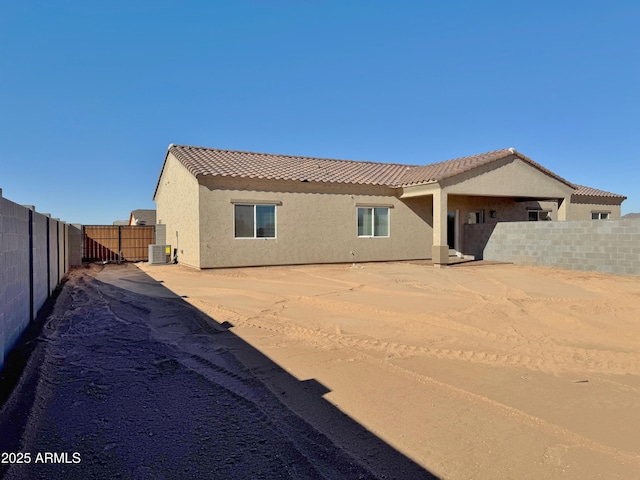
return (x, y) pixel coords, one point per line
(128, 381)
(472, 372)
(394, 370)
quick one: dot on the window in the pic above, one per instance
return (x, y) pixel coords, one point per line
(475, 217)
(373, 221)
(600, 215)
(539, 215)
(255, 221)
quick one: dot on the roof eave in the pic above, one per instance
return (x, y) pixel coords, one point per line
(301, 180)
(155, 192)
(431, 181)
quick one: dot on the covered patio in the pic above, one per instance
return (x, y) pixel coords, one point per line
(510, 189)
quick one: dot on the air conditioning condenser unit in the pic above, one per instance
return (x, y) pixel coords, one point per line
(159, 254)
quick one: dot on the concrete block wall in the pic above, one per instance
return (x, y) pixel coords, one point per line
(53, 254)
(75, 244)
(475, 238)
(14, 273)
(608, 246)
(41, 289)
(161, 234)
(33, 261)
(62, 251)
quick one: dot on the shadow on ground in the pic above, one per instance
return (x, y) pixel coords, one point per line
(127, 380)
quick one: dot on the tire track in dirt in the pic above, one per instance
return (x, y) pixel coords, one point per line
(547, 355)
(374, 324)
(371, 349)
(443, 321)
(566, 436)
(104, 338)
(326, 303)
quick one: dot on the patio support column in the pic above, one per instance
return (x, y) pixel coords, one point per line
(440, 248)
(563, 209)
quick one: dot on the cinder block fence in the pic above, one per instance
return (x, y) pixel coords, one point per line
(608, 246)
(36, 252)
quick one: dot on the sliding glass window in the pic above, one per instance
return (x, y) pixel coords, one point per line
(254, 221)
(373, 221)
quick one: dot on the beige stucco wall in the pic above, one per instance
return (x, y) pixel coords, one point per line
(315, 223)
(510, 177)
(177, 207)
(581, 207)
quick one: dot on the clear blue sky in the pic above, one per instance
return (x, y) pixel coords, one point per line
(92, 93)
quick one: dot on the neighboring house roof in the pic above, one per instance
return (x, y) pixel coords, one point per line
(594, 192)
(631, 215)
(121, 222)
(142, 217)
(233, 163)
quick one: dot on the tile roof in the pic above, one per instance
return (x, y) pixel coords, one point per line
(450, 168)
(594, 192)
(233, 163)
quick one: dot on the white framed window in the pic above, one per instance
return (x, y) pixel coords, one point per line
(254, 221)
(539, 215)
(373, 221)
(600, 215)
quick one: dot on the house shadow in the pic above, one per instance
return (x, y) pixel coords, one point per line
(207, 348)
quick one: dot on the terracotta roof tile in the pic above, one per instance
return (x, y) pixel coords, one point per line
(594, 192)
(450, 168)
(233, 163)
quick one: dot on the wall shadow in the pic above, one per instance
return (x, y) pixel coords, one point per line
(116, 242)
(476, 237)
(337, 445)
(95, 251)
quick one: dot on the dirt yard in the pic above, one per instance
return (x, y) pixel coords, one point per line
(472, 371)
(128, 381)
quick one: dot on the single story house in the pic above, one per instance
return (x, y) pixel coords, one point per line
(224, 208)
(142, 217)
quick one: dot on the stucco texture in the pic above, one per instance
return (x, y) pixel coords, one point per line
(177, 207)
(315, 223)
(583, 207)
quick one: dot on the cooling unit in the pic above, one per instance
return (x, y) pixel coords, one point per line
(159, 254)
